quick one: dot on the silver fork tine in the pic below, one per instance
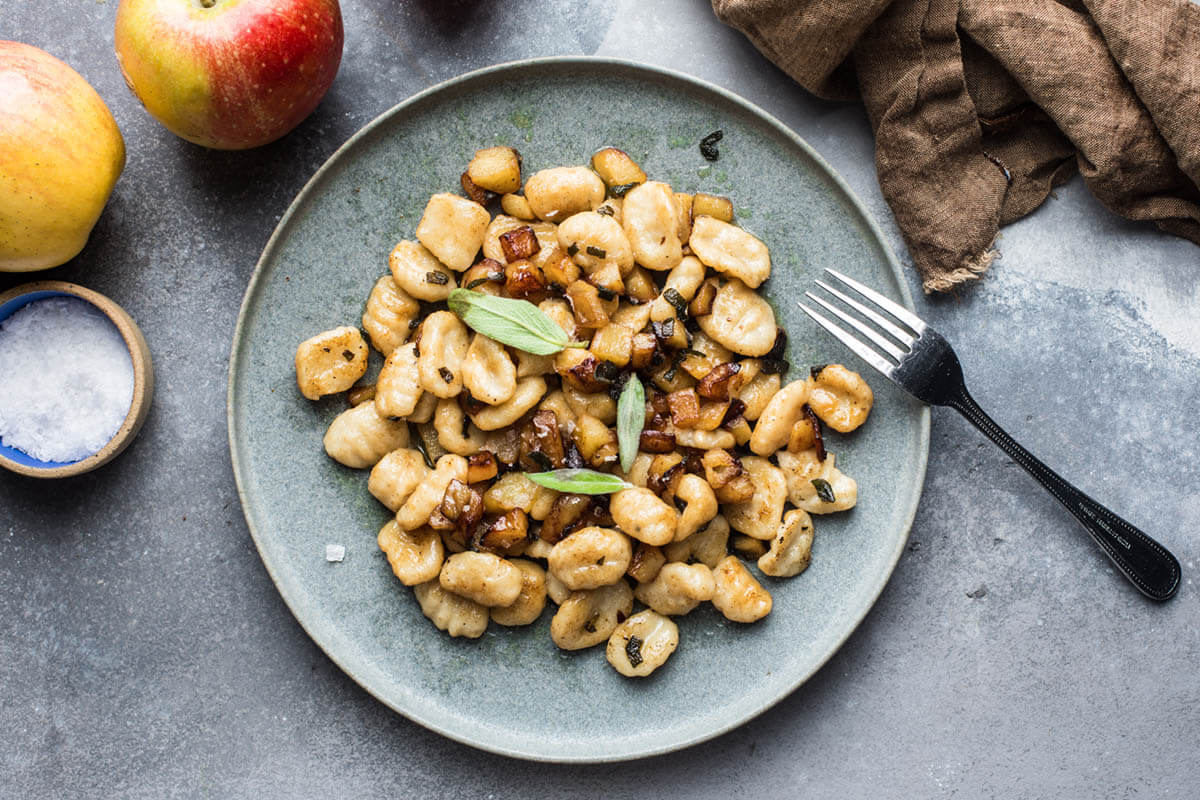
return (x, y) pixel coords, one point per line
(895, 309)
(897, 334)
(880, 342)
(865, 353)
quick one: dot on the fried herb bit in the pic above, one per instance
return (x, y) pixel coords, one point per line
(596, 251)
(672, 296)
(818, 439)
(779, 346)
(663, 330)
(420, 445)
(815, 372)
(440, 278)
(708, 145)
(824, 490)
(633, 650)
(478, 282)
(572, 249)
(572, 458)
(676, 360)
(446, 374)
(605, 210)
(774, 360)
(622, 190)
(605, 294)
(773, 365)
(541, 459)
(606, 371)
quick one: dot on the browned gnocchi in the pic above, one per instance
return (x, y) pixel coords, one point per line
(481, 443)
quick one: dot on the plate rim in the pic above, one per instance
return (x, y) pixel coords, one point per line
(302, 197)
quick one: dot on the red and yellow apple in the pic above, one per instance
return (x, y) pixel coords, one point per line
(60, 155)
(229, 74)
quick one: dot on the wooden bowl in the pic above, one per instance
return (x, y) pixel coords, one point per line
(143, 379)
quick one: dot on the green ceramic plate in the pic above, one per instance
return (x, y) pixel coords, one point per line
(512, 691)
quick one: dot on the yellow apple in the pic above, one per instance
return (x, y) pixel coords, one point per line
(60, 155)
(229, 74)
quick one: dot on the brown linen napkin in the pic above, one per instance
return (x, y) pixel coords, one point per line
(981, 107)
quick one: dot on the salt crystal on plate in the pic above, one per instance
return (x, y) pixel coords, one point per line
(334, 552)
(67, 378)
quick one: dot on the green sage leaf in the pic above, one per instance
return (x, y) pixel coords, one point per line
(824, 490)
(516, 323)
(579, 481)
(631, 416)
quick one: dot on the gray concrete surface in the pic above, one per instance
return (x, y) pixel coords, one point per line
(144, 652)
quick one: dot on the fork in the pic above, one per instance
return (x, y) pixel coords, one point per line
(922, 363)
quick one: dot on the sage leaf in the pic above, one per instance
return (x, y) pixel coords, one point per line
(631, 416)
(579, 481)
(824, 490)
(516, 323)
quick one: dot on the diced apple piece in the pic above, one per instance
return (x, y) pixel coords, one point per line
(616, 168)
(496, 169)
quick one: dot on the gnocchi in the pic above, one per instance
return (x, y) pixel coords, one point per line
(330, 362)
(645, 282)
(587, 618)
(415, 556)
(556, 193)
(487, 371)
(730, 250)
(419, 273)
(590, 558)
(359, 437)
(530, 600)
(398, 387)
(737, 594)
(419, 505)
(443, 349)
(396, 476)
(650, 216)
(455, 615)
(388, 314)
(782, 412)
(791, 549)
(803, 472)
(740, 319)
(483, 577)
(642, 644)
(840, 397)
(644, 516)
(760, 516)
(452, 229)
(593, 240)
(677, 589)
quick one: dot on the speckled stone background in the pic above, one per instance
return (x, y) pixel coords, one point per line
(144, 651)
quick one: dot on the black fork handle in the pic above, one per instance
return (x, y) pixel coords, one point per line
(1147, 564)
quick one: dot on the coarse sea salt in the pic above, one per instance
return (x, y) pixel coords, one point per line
(66, 379)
